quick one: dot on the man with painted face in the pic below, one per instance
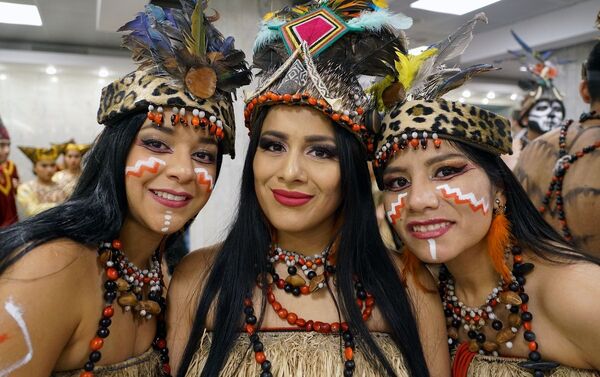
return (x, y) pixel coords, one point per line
(560, 170)
(542, 110)
(40, 193)
(9, 180)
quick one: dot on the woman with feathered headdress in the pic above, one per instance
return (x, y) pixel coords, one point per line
(82, 285)
(303, 284)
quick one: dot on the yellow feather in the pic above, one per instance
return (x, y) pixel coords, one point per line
(383, 4)
(377, 89)
(408, 66)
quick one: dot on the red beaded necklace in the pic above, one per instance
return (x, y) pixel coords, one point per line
(364, 300)
(121, 280)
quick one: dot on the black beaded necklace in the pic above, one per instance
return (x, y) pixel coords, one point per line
(514, 297)
(563, 164)
(112, 259)
(363, 299)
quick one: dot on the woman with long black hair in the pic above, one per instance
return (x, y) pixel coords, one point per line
(518, 299)
(303, 284)
(81, 285)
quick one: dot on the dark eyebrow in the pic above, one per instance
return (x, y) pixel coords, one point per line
(207, 140)
(431, 161)
(443, 157)
(317, 138)
(276, 134)
(164, 129)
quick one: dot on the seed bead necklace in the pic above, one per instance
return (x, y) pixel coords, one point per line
(125, 280)
(512, 296)
(364, 300)
(563, 164)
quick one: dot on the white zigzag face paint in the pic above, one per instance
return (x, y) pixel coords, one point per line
(395, 211)
(16, 314)
(151, 165)
(167, 221)
(203, 177)
(458, 197)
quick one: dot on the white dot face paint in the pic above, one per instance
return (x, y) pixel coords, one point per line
(469, 198)
(432, 248)
(150, 165)
(167, 221)
(203, 177)
(395, 211)
(17, 314)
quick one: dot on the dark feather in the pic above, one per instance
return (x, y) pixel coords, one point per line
(461, 77)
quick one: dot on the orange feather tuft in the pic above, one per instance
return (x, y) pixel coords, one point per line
(498, 239)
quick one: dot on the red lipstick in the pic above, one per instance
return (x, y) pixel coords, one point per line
(291, 198)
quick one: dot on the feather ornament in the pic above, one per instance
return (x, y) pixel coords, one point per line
(376, 91)
(183, 46)
(266, 34)
(374, 21)
(461, 77)
(408, 66)
(456, 43)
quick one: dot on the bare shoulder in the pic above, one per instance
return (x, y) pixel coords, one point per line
(190, 274)
(196, 263)
(571, 288)
(55, 258)
(35, 292)
(571, 300)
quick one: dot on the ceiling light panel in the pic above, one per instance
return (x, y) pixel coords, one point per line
(19, 14)
(451, 7)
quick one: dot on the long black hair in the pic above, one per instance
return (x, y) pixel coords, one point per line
(361, 252)
(528, 227)
(95, 212)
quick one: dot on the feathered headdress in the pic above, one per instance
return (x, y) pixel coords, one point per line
(543, 72)
(41, 154)
(426, 76)
(312, 55)
(71, 145)
(416, 113)
(183, 61)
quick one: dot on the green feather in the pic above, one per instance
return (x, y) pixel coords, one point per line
(198, 37)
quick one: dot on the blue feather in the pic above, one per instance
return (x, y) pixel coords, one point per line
(375, 21)
(266, 34)
(521, 42)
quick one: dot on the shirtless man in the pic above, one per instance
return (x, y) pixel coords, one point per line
(580, 189)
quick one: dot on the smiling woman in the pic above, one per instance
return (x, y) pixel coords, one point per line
(303, 274)
(505, 273)
(83, 283)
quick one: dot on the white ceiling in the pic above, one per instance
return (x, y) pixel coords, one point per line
(86, 30)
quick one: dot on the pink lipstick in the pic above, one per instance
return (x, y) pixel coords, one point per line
(170, 198)
(429, 229)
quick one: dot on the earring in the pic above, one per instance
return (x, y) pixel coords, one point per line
(498, 240)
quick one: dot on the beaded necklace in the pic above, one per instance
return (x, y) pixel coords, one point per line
(563, 164)
(513, 297)
(364, 300)
(125, 280)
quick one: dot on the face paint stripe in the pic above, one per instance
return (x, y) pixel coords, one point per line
(432, 248)
(204, 178)
(394, 213)
(150, 165)
(3, 337)
(16, 313)
(460, 198)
